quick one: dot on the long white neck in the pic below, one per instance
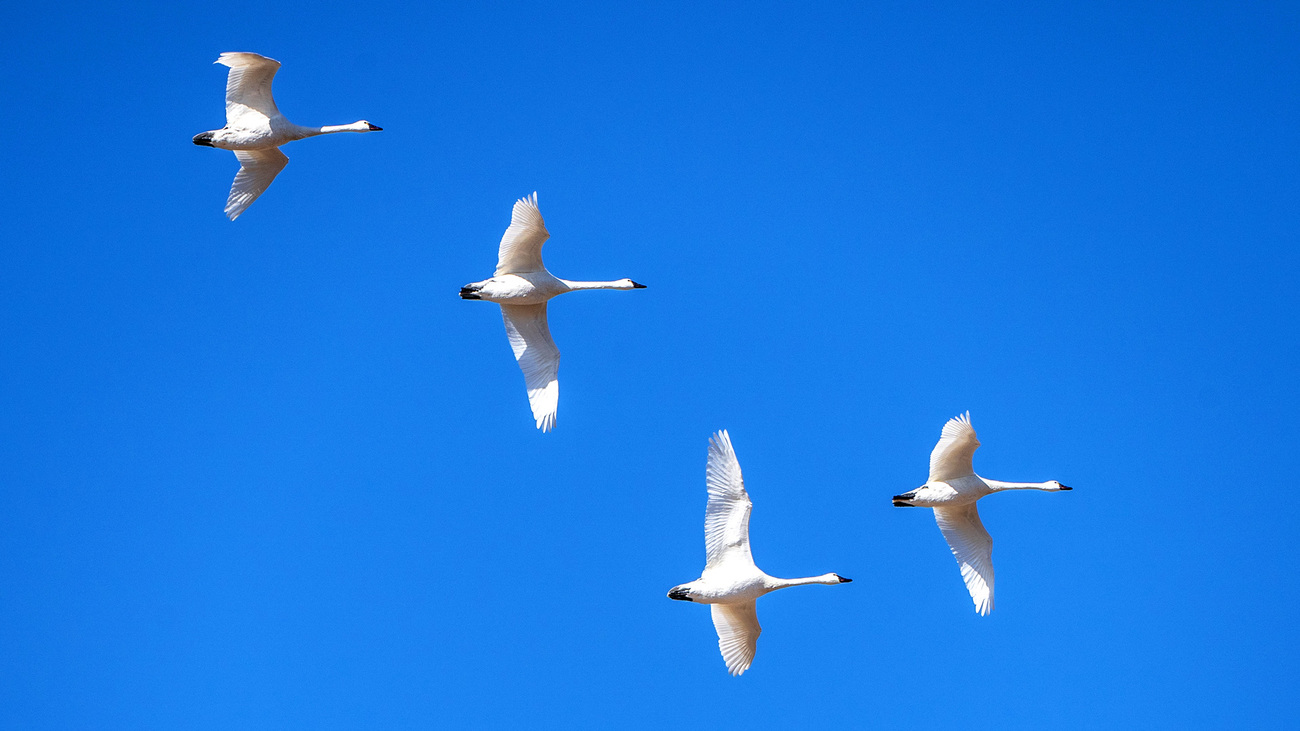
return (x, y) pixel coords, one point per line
(996, 485)
(330, 129)
(774, 583)
(617, 284)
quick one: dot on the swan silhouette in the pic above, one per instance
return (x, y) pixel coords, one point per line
(522, 286)
(731, 583)
(952, 490)
(255, 129)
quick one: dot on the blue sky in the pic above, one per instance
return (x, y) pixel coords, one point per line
(275, 474)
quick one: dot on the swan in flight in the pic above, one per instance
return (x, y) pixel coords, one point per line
(952, 490)
(255, 129)
(731, 582)
(521, 285)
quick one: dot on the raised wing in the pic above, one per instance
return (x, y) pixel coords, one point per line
(738, 631)
(951, 457)
(521, 246)
(539, 359)
(972, 546)
(726, 517)
(248, 89)
(257, 169)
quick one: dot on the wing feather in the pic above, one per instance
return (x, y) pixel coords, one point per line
(539, 359)
(952, 456)
(726, 517)
(738, 631)
(257, 168)
(972, 546)
(521, 246)
(249, 103)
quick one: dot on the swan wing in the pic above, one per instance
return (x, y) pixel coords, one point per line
(521, 246)
(539, 359)
(972, 546)
(952, 456)
(726, 517)
(248, 89)
(257, 168)
(738, 631)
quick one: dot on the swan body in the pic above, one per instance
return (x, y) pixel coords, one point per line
(731, 582)
(522, 286)
(533, 288)
(255, 128)
(952, 490)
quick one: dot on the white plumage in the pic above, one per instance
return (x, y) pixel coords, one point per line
(522, 286)
(255, 128)
(731, 583)
(952, 491)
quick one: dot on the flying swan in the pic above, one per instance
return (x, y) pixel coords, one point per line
(255, 129)
(952, 490)
(731, 582)
(521, 285)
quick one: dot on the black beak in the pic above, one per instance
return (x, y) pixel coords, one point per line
(373, 128)
(1066, 487)
(844, 580)
(635, 285)
(204, 139)
(900, 501)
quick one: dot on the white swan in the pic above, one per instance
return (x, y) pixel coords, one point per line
(952, 490)
(255, 129)
(731, 582)
(522, 286)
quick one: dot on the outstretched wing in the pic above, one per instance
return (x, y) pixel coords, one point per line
(521, 246)
(726, 517)
(248, 89)
(972, 546)
(738, 631)
(952, 456)
(257, 168)
(539, 359)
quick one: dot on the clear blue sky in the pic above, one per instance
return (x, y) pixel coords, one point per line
(275, 474)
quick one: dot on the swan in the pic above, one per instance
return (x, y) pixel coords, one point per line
(255, 129)
(731, 582)
(521, 285)
(952, 490)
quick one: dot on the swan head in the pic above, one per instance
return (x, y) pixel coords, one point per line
(840, 579)
(629, 284)
(680, 593)
(914, 498)
(364, 126)
(1059, 486)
